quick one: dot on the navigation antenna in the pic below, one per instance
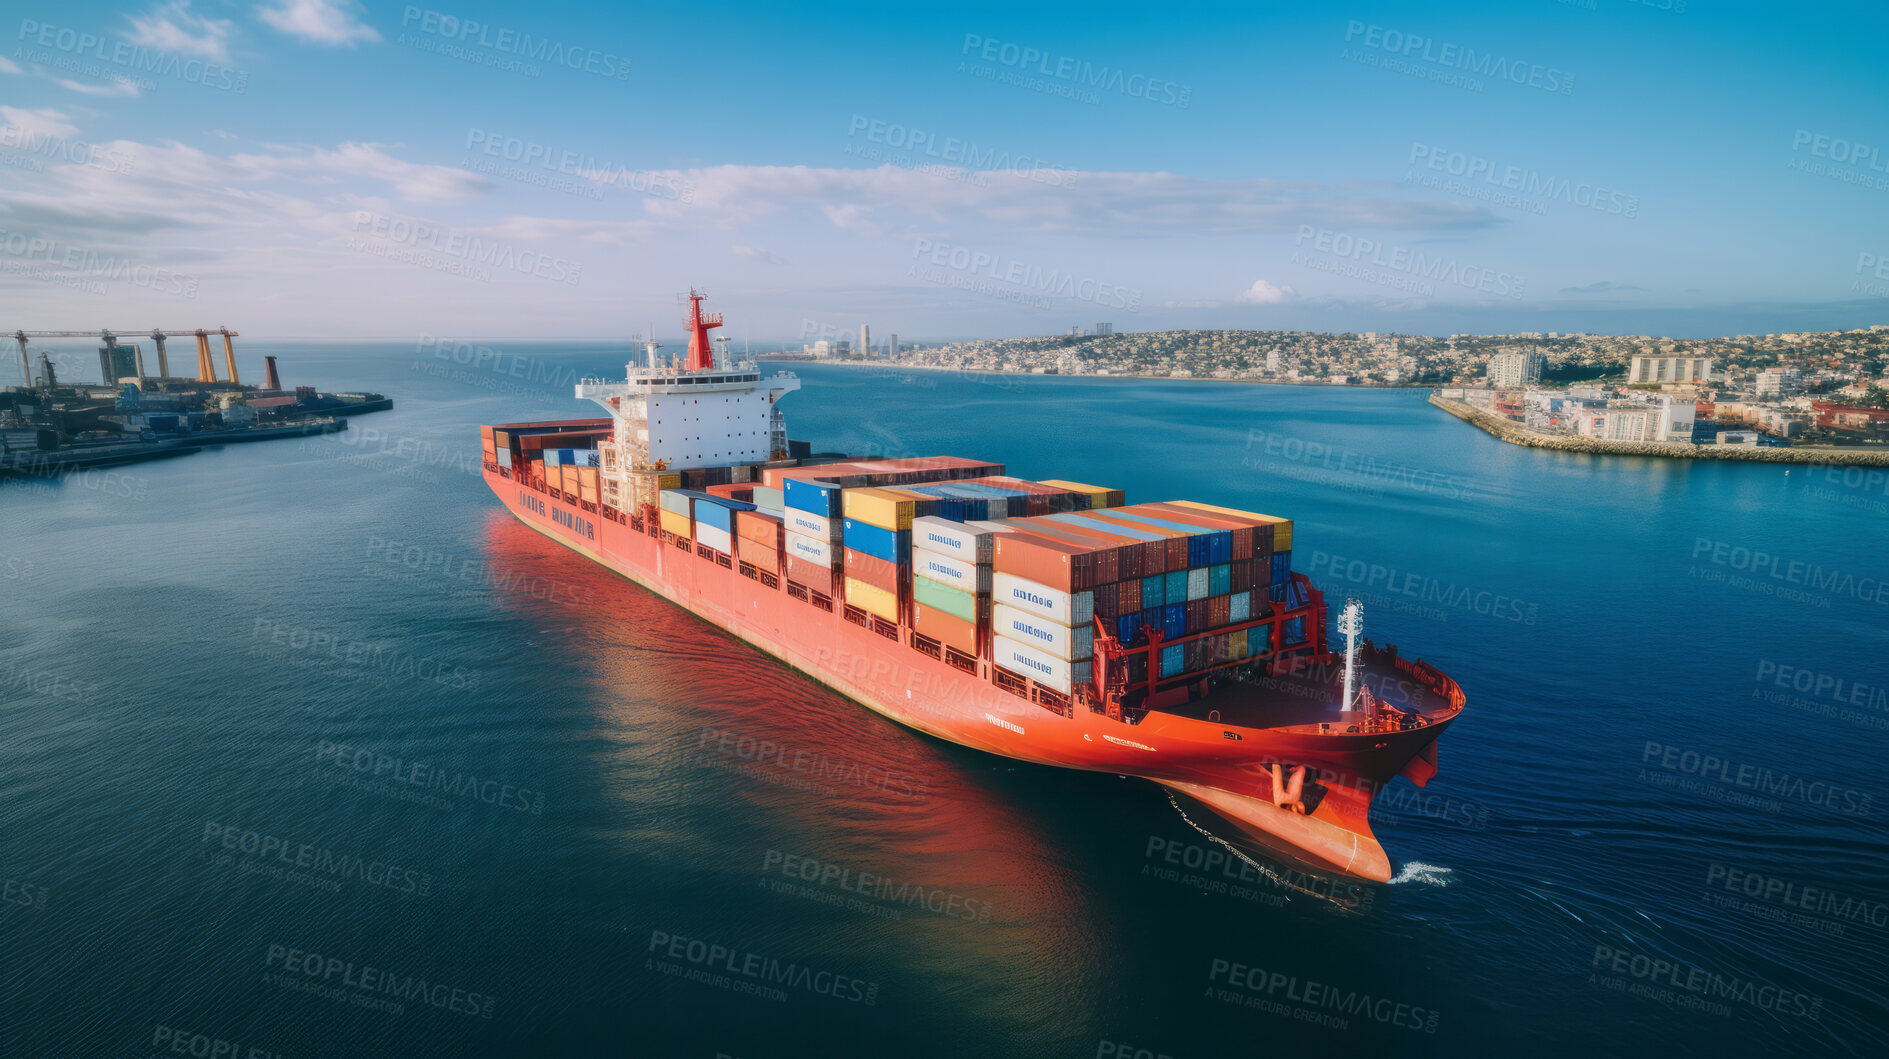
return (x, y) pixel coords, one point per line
(1351, 624)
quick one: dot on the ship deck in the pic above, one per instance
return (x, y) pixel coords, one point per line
(1309, 699)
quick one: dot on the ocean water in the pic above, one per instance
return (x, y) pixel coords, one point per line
(307, 747)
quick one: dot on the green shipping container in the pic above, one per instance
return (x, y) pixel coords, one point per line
(953, 601)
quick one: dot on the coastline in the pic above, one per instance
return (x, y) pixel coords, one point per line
(1516, 434)
(893, 369)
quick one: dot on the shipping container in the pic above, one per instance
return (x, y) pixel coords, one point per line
(1129, 629)
(758, 527)
(1099, 497)
(1071, 644)
(770, 499)
(1240, 607)
(1153, 591)
(872, 599)
(948, 571)
(811, 550)
(1281, 527)
(806, 522)
(891, 545)
(946, 628)
(887, 508)
(1039, 665)
(878, 573)
(674, 501)
(1174, 620)
(762, 554)
(1198, 580)
(1173, 660)
(733, 491)
(715, 537)
(810, 494)
(816, 576)
(1281, 567)
(960, 540)
(1199, 617)
(953, 601)
(677, 524)
(1036, 557)
(1069, 608)
(1259, 641)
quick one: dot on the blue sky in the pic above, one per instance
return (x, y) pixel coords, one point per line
(322, 167)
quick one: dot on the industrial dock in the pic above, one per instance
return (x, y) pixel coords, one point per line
(54, 426)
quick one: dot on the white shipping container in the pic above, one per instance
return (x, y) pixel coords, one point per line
(1068, 644)
(1197, 583)
(819, 527)
(810, 549)
(714, 538)
(948, 571)
(1028, 596)
(960, 540)
(1039, 665)
(1240, 606)
(670, 500)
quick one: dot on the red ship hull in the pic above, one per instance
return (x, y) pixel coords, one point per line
(1220, 763)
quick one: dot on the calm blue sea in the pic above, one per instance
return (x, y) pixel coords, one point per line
(306, 747)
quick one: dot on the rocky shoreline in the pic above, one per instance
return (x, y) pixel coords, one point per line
(1516, 434)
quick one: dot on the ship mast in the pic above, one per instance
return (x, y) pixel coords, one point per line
(1351, 624)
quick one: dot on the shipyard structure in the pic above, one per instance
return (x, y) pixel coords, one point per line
(1047, 621)
(58, 422)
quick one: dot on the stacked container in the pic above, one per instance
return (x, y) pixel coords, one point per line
(877, 535)
(758, 540)
(715, 520)
(812, 541)
(951, 580)
(1043, 591)
(674, 512)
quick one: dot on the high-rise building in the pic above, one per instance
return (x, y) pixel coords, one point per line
(1780, 382)
(1104, 329)
(1647, 369)
(1510, 370)
(865, 341)
(892, 345)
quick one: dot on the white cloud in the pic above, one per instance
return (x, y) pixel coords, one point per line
(8, 66)
(416, 182)
(768, 256)
(1264, 293)
(334, 22)
(36, 124)
(172, 28)
(117, 86)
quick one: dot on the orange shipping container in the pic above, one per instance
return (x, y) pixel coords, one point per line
(762, 529)
(758, 553)
(948, 629)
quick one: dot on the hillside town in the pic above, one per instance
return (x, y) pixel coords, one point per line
(1822, 387)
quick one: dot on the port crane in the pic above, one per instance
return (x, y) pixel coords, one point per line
(206, 365)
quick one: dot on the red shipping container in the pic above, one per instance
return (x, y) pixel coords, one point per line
(1219, 611)
(1197, 616)
(1047, 561)
(1247, 533)
(811, 574)
(948, 629)
(1128, 595)
(743, 492)
(1241, 575)
(762, 529)
(1108, 601)
(876, 572)
(757, 553)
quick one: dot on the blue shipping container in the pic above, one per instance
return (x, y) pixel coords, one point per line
(1219, 579)
(719, 512)
(1172, 660)
(1174, 621)
(1176, 589)
(876, 541)
(806, 494)
(1259, 640)
(1128, 629)
(1154, 590)
(1281, 566)
(1293, 633)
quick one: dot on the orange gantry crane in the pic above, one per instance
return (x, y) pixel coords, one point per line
(206, 364)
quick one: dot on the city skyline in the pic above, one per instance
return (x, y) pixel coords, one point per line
(1558, 169)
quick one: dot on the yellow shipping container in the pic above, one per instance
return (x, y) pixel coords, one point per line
(891, 509)
(872, 599)
(1236, 644)
(1281, 527)
(668, 481)
(1098, 496)
(676, 524)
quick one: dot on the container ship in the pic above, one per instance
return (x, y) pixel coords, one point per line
(1046, 621)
